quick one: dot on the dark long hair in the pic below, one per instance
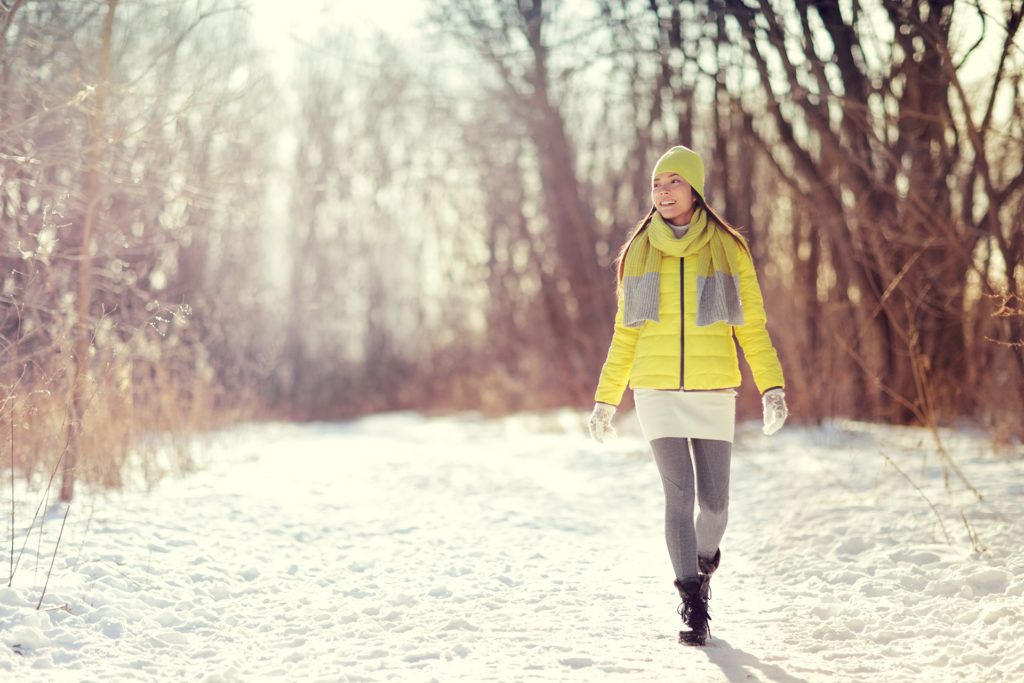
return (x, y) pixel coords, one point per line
(645, 222)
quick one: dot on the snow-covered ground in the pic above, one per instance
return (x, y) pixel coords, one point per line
(405, 548)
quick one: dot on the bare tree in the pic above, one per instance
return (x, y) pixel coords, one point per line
(512, 40)
(889, 155)
(83, 332)
(123, 188)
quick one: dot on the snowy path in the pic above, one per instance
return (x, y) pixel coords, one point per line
(412, 549)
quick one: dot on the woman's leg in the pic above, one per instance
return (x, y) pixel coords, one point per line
(672, 456)
(712, 460)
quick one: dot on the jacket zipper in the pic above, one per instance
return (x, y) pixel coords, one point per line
(682, 324)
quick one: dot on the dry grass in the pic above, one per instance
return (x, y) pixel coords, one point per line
(135, 429)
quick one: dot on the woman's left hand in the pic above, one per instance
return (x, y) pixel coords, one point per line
(775, 411)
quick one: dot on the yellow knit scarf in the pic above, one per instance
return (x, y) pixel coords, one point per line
(717, 251)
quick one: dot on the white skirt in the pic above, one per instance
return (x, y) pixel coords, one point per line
(686, 414)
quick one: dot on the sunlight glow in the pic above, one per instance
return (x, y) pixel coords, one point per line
(279, 25)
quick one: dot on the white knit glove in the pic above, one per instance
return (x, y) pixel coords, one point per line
(600, 424)
(775, 412)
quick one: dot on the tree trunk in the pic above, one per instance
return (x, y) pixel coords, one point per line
(82, 327)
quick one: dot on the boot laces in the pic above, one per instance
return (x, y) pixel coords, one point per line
(694, 611)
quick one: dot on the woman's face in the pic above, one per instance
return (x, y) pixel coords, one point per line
(673, 198)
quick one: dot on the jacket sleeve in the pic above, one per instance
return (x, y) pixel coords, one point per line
(753, 334)
(615, 373)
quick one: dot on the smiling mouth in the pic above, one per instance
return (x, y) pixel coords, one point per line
(667, 202)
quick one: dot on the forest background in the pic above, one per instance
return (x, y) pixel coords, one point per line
(190, 237)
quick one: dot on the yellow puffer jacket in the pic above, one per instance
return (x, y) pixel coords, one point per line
(652, 356)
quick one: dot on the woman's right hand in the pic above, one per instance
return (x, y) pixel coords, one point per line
(601, 422)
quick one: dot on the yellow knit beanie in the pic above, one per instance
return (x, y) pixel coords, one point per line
(685, 162)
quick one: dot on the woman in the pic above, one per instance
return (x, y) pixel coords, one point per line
(687, 293)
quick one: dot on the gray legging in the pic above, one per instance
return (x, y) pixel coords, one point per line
(685, 537)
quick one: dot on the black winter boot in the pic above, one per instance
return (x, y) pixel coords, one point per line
(694, 610)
